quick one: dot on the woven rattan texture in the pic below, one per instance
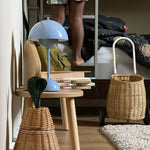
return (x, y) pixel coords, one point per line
(37, 131)
(38, 119)
(126, 97)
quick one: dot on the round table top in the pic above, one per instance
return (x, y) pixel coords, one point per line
(61, 94)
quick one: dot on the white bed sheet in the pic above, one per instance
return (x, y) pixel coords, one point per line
(124, 63)
(105, 62)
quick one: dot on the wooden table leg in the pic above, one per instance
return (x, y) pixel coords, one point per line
(64, 113)
(72, 119)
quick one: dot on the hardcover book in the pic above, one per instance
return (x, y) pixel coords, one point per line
(63, 74)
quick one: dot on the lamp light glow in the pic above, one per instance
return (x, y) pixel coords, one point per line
(49, 32)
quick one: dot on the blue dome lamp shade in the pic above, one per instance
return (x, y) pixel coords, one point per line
(49, 33)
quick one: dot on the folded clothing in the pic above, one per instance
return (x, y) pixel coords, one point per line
(58, 60)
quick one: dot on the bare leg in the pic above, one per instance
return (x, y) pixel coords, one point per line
(77, 31)
(58, 13)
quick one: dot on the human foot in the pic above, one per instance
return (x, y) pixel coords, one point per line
(78, 62)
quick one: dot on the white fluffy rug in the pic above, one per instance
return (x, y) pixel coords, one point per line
(128, 137)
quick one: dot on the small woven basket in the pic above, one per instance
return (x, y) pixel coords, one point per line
(126, 96)
(37, 131)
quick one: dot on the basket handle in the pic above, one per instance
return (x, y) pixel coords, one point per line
(114, 54)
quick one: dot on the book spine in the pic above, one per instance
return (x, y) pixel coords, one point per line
(76, 87)
(66, 84)
(86, 84)
(66, 87)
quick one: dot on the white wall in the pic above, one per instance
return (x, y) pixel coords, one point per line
(11, 37)
(135, 13)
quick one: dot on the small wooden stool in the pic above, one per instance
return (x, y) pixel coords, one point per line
(68, 113)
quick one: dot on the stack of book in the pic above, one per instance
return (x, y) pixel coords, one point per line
(70, 79)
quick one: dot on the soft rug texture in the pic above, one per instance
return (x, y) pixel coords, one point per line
(128, 137)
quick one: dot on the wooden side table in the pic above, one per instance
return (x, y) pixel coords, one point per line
(66, 96)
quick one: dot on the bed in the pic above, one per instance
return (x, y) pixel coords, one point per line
(124, 63)
(105, 62)
(109, 28)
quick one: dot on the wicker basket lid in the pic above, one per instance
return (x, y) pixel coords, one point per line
(37, 119)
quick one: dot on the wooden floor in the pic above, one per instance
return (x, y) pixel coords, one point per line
(90, 135)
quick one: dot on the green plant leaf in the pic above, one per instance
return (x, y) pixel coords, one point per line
(36, 86)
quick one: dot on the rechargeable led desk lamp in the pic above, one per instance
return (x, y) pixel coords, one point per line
(49, 32)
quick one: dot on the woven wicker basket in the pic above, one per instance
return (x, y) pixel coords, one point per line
(126, 96)
(37, 131)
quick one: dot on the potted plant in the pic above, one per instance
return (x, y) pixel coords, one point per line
(37, 131)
